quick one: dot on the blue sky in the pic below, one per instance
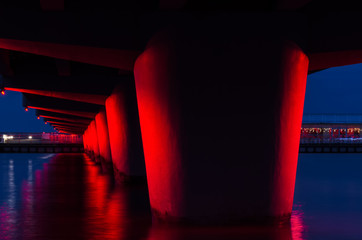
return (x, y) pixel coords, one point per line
(335, 91)
(14, 118)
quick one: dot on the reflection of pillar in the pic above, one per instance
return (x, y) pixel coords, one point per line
(297, 225)
(103, 140)
(123, 211)
(124, 132)
(213, 103)
(172, 232)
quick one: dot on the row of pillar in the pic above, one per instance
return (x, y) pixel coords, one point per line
(113, 138)
(220, 113)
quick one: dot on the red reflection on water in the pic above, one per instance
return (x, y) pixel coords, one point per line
(286, 231)
(112, 213)
(297, 224)
(218, 233)
(70, 199)
(4, 221)
(97, 197)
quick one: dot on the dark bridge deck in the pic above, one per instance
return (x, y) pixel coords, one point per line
(41, 148)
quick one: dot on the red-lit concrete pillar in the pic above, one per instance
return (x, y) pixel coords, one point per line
(220, 113)
(86, 140)
(125, 133)
(103, 140)
(85, 144)
(94, 141)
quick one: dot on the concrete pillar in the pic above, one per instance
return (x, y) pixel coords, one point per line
(86, 140)
(85, 144)
(125, 133)
(220, 111)
(94, 141)
(103, 141)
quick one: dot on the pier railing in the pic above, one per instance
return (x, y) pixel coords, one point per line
(40, 143)
(348, 140)
(40, 138)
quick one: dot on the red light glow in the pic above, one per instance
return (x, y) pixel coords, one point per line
(69, 112)
(297, 225)
(88, 98)
(93, 139)
(158, 119)
(102, 135)
(124, 130)
(195, 130)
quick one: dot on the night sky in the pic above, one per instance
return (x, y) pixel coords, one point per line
(335, 91)
(15, 119)
(332, 91)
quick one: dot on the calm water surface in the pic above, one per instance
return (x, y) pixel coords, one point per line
(66, 196)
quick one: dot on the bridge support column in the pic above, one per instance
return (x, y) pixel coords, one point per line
(89, 142)
(85, 141)
(94, 141)
(220, 113)
(125, 133)
(103, 141)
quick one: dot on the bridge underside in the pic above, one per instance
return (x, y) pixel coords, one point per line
(169, 88)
